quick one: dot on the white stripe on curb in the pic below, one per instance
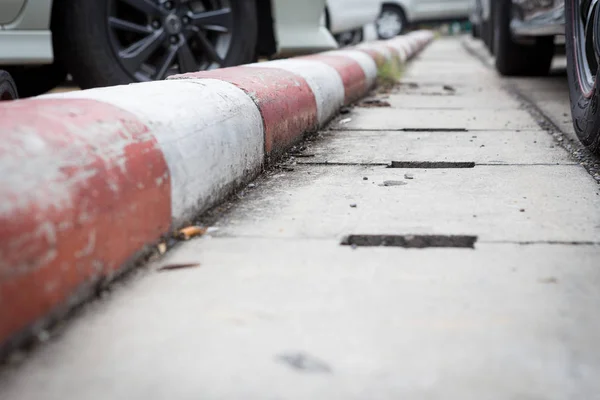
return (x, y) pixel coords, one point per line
(209, 149)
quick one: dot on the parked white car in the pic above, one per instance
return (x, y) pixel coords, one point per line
(351, 20)
(397, 15)
(110, 42)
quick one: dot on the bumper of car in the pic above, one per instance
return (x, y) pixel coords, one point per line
(538, 18)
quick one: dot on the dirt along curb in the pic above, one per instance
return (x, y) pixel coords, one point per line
(91, 179)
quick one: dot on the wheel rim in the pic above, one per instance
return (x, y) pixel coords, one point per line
(154, 39)
(586, 30)
(389, 24)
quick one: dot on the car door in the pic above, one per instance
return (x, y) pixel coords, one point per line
(464, 7)
(347, 15)
(10, 9)
(441, 9)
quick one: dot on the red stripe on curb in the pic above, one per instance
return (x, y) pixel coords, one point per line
(286, 102)
(352, 74)
(86, 188)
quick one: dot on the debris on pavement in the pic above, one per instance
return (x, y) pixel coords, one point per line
(191, 231)
(449, 88)
(304, 362)
(173, 267)
(412, 85)
(409, 176)
(353, 205)
(345, 121)
(393, 183)
(372, 103)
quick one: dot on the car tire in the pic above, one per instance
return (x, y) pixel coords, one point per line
(515, 59)
(350, 38)
(475, 31)
(8, 88)
(102, 53)
(36, 80)
(486, 35)
(583, 91)
(390, 15)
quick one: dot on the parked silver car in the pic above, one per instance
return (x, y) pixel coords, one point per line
(110, 42)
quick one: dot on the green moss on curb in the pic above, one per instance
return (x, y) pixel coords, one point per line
(390, 73)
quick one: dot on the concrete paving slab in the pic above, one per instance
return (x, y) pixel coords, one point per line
(442, 50)
(437, 86)
(556, 84)
(559, 113)
(452, 102)
(552, 99)
(559, 203)
(450, 72)
(314, 320)
(376, 147)
(449, 78)
(390, 119)
(455, 66)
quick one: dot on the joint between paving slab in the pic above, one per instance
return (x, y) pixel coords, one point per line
(341, 128)
(542, 242)
(388, 164)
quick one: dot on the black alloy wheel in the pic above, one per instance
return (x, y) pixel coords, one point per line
(153, 40)
(8, 88)
(583, 57)
(109, 42)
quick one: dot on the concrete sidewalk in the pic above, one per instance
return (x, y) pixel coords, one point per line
(277, 308)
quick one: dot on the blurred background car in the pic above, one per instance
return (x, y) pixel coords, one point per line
(520, 33)
(111, 42)
(351, 20)
(397, 15)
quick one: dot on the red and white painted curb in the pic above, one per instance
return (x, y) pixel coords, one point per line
(90, 179)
